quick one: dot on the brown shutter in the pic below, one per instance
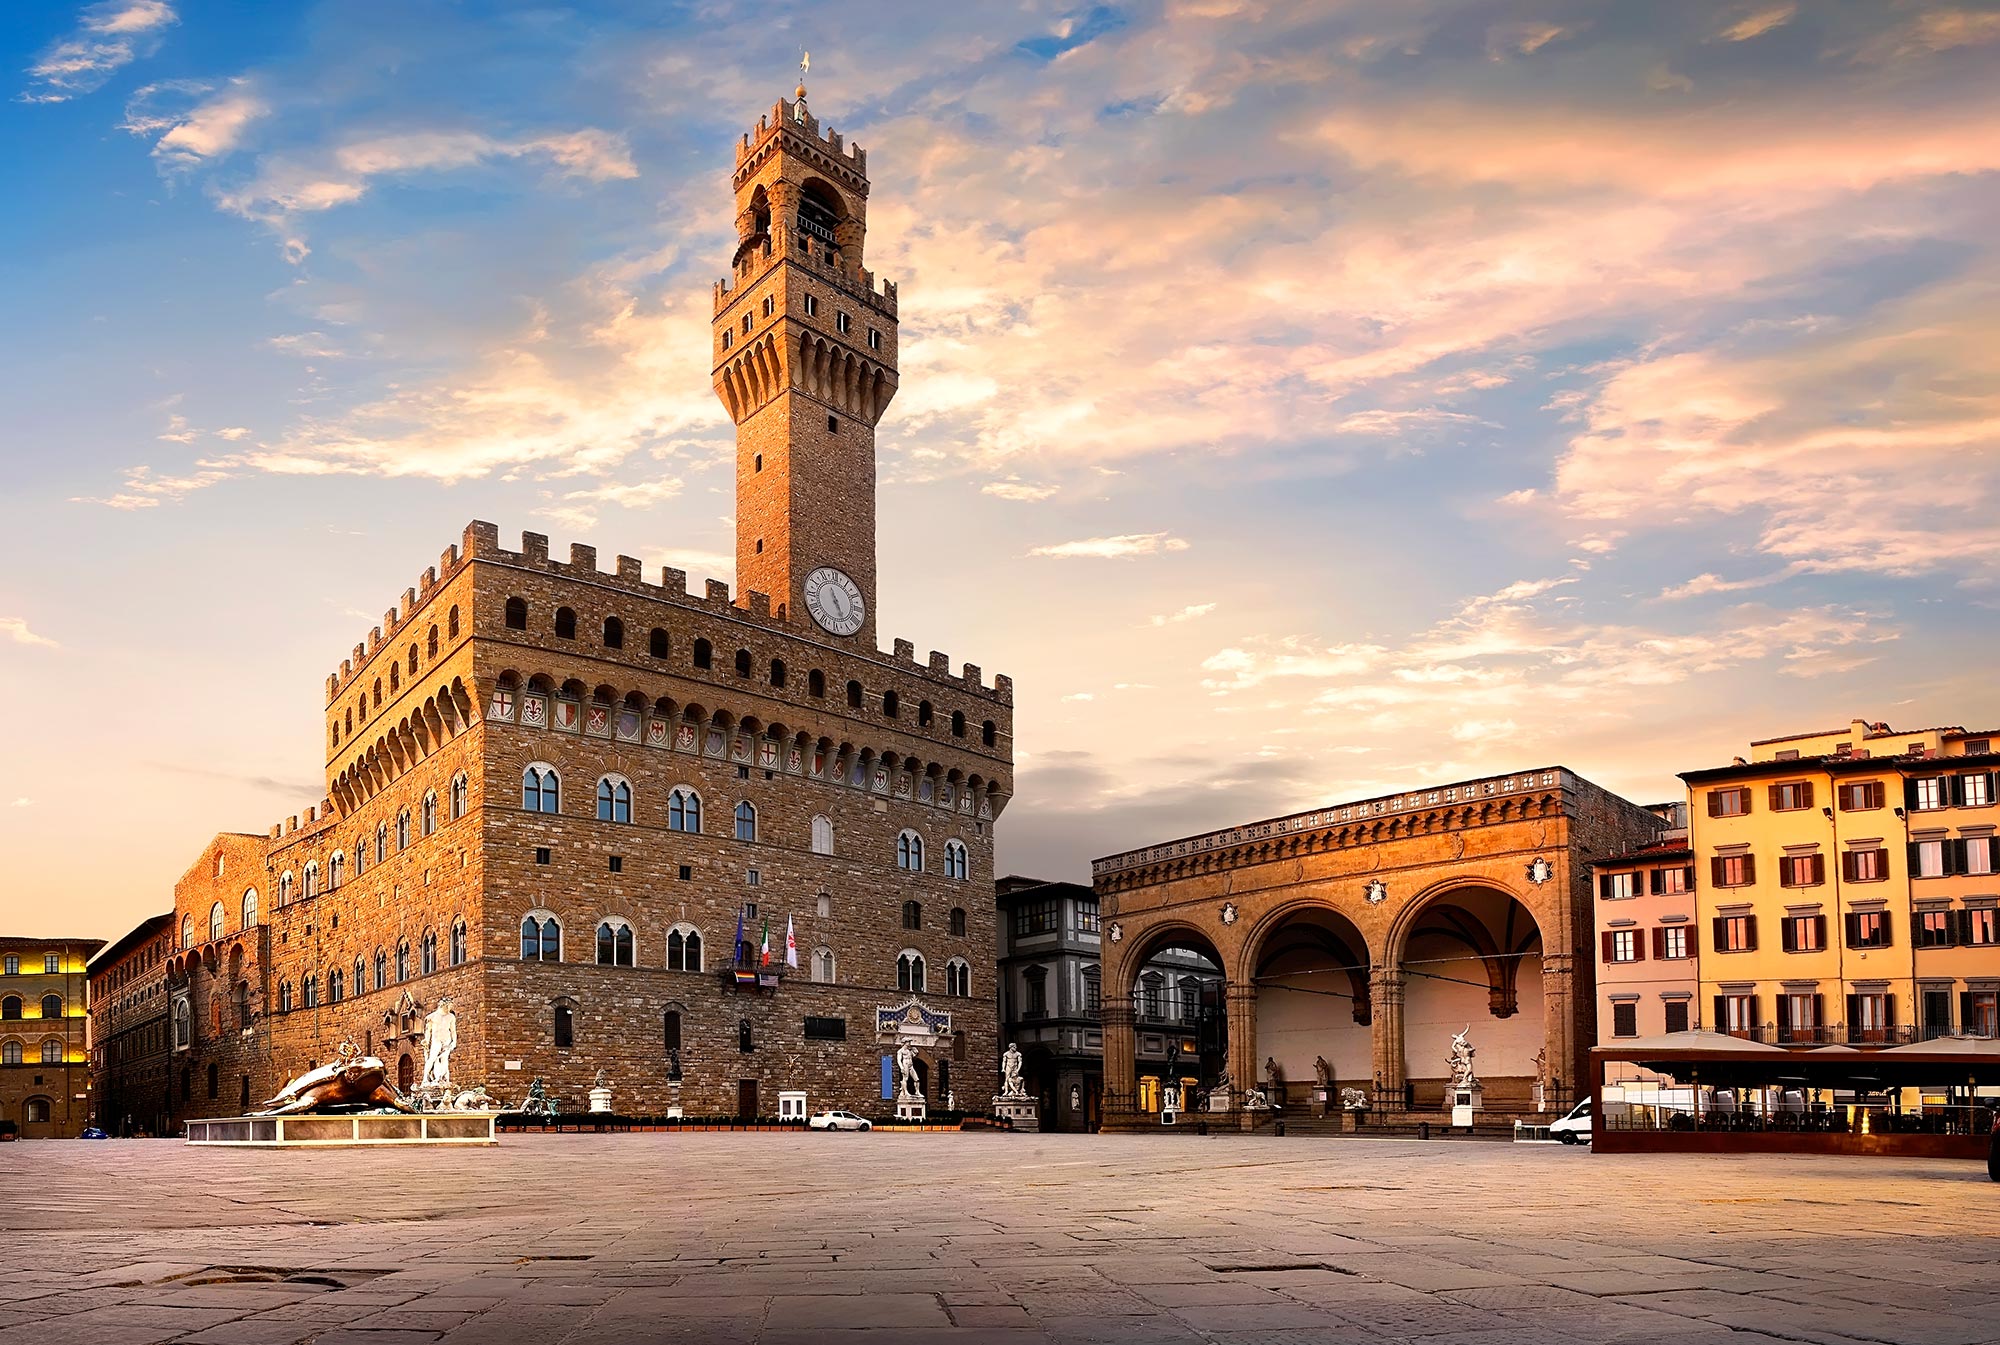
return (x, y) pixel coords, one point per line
(1888, 930)
(1717, 934)
(1775, 804)
(1964, 1011)
(1715, 871)
(1659, 944)
(1721, 1023)
(1606, 938)
(1854, 1018)
(1819, 931)
(1749, 869)
(1654, 882)
(1954, 856)
(1688, 870)
(1805, 795)
(1849, 866)
(1638, 946)
(1603, 886)
(1889, 1011)
(1750, 932)
(1852, 923)
(1818, 870)
(1784, 1011)
(1819, 1011)
(1715, 803)
(1915, 867)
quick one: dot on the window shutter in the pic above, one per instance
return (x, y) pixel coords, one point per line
(1638, 947)
(1852, 923)
(1888, 930)
(1715, 871)
(1750, 932)
(1687, 873)
(1853, 1016)
(1954, 856)
(1849, 866)
(1659, 944)
(1805, 795)
(1787, 939)
(1909, 794)
(1775, 798)
(1877, 794)
(1965, 1011)
(1818, 870)
(1656, 881)
(1819, 931)
(1992, 782)
(1721, 1023)
(1603, 886)
(1915, 863)
(1605, 938)
(1888, 1011)
(1749, 869)
(1819, 1011)
(1715, 803)
(1784, 1012)
(1716, 935)
(1956, 787)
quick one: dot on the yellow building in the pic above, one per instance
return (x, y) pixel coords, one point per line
(44, 1037)
(1846, 887)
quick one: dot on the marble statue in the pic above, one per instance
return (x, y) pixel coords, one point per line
(1463, 1077)
(906, 1070)
(1010, 1073)
(1274, 1075)
(353, 1082)
(600, 1081)
(1254, 1100)
(440, 1040)
(475, 1098)
(1542, 1066)
(1353, 1099)
(1322, 1071)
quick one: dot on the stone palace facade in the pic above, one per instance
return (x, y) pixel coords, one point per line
(574, 800)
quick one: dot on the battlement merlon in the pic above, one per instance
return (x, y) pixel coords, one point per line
(793, 120)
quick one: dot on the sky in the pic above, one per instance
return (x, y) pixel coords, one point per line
(1299, 401)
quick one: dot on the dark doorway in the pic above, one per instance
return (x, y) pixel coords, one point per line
(246, 1092)
(746, 1099)
(406, 1071)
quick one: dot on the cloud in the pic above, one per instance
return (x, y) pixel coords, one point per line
(578, 510)
(1124, 547)
(22, 802)
(108, 37)
(1078, 696)
(1014, 489)
(1192, 612)
(16, 629)
(1523, 38)
(233, 433)
(1759, 21)
(145, 490)
(208, 129)
(1929, 32)
(1703, 584)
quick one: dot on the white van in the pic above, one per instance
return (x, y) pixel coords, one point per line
(1575, 1127)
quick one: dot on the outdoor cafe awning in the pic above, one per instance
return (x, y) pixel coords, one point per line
(1701, 1056)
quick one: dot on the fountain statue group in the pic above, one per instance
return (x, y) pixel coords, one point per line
(357, 1082)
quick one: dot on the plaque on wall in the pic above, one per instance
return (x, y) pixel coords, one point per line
(716, 745)
(767, 754)
(503, 705)
(965, 800)
(881, 784)
(535, 710)
(739, 748)
(658, 733)
(597, 720)
(926, 790)
(565, 716)
(794, 761)
(628, 725)
(902, 785)
(684, 738)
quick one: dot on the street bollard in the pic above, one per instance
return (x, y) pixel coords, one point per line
(1281, 1130)
(1201, 1128)
(1423, 1130)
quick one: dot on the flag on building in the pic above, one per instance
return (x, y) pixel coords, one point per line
(791, 944)
(738, 950)
(764, 953)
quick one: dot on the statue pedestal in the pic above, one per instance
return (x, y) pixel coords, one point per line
(1219, 1100)
(674, 1111)
(315, 1130)
(1464, 1102)
(1022, 1112)
(600, 1099)
(909, 1109)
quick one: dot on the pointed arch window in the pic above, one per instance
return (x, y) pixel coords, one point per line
(284, 997)
(311, 888)
(746, 821)
(822, 835)
(428, 951)
(402, 960)
(958, 977)
(430, 812)
(684, 810)
(957, 861)
(187, 931)
(215, 922)
(461, 792)
(541, 789)
(360, 977)
(614, 943)
(910, 971)
(403, 829)
(381, 841)
(336, 986)
(910, 851)
(381, 969)
(458, 942)
(309, 992)
(336, 870)
(823, 966)
(541, 939)
(683, 948)
(286, 883)
(614, 799)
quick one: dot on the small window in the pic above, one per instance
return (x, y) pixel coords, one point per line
(822, 836)
(823, 966)
(874, 339)
(777, 672)
(958, 921)
(1728, 802)
(957, 724)
(451, 624)
(833, 424)
(544, 855)
(704, 654)
(891, 706)
(657, 643)
(1624, 1019)
(812, 305)
(770, 304)
(742, 663)
(614, 633)
(565, 624)
(433, 650)
(565, 1026)
(923, 714)
(841, 322)
(517, 614)
(988, 733)
(727, 338)
(816, 684)
(615, 863)
(913, 915)
(854, 695)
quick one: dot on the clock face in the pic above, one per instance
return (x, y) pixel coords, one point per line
(834, 600)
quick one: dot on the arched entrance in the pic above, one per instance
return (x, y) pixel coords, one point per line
(1471, 960)
(1166, 1024)
(1313, 1010)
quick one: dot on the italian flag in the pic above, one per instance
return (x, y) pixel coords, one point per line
(764, 953)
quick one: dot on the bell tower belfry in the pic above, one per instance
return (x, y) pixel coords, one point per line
(804, 346)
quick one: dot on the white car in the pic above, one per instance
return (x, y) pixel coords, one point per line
(1575, 1127)
(839, 1120)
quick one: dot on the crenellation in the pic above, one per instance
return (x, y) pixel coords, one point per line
(535, 548)
(408, 608)
(940, 664)
(905, 651)
(675, 582)
(718, 592)
(1003, 688)
(583, 557)
(632, 571)
(760, 605)
(971, 677)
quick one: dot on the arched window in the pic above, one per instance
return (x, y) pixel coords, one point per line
(215, 922)
(541, 939)
(825, 904)
(614, 633)
(183, 1032)
(458, 943)
(428, 951)
(309, 992)
(413, 660)
(854, 695)
(657, 644)
(683, 948)
(381, 841)
(36, 1110)
(823, 967)
(10, 1007)
(614, 943)
(565, 624)
(958, 921)
(284, 997)
(958, 723)
(461, 793)
(988, 734)
(704, 654)
(336, 986)
(311, 886)
(378, 692)
(541, 789)
(913, 915)
(565, 1026)
(670, 1030)
(923, 714)
(360, 980)
(822, 835)
(221, 862)
(10, 1053)
(402, 960)
(336, 870)
(910, 971)
(910, 851)
(52, 1006)
(746, 822)
(614, 799)
(187, 931)
(381, 969)
(742, 663)
(451, 623)
(517, 614)
(777, 672)
(816, 684)
(683, 810)
(395, 682)
(403, 829)
(430, 812)
(286, 882)
(957, 862)
(250, 909)
(891, 705)
(433, 650)
(52, 1051)
(958, 977)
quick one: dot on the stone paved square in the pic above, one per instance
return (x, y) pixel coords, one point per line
(596, 1240)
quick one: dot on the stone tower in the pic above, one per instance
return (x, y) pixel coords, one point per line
(805, 361)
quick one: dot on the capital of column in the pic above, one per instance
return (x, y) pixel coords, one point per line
(1115, 1016)
(1237, 993)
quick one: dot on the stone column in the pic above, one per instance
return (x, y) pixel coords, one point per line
(1561, 1036)
(1385, 997)
(1121, 1100)
(1245, 1069)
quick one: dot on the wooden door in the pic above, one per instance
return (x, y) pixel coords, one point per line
(746, 1099)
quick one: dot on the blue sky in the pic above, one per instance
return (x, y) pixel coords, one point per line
(1298, 401)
